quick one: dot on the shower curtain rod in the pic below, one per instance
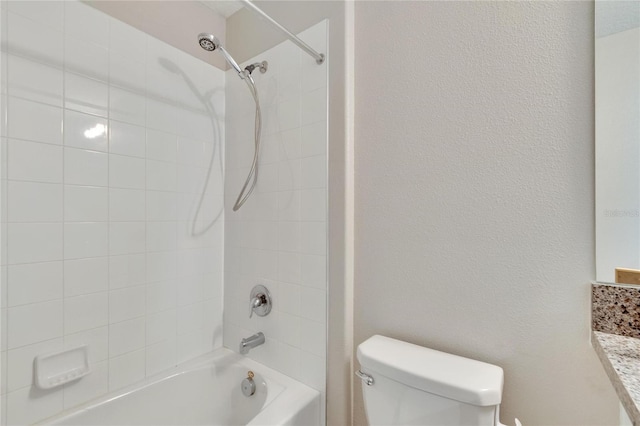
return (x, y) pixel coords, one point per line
(319, 57)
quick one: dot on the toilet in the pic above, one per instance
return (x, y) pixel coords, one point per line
(406, 384)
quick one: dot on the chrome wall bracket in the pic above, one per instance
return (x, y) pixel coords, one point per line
(367, 379)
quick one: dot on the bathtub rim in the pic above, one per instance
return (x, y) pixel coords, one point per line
(299, 392)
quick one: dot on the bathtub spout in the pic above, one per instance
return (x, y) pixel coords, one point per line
(251, 342)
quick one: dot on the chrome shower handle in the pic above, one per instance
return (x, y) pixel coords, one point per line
(259, 301)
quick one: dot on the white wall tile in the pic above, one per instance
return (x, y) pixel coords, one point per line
(86, 23)
(127, 106)
(161, 295)
(34, 161)
(161, 326)
(85, 131)
(126, 369)
(161, 176)
(86, 203)
(161, 356)
(32, 39)
(86, 95)
(288, 115)
(313, 336)
(34, 202)
(313, 204)
(126, 40)
(161, 205)
(315, 304)
(34, 81)
(126, 72)
(86, 239)
(161, 116)
(314, 139)
(49, 13)
(97, 340)
(126, 238)
(22, 114)
(126, 336)
(161, 236)
(86, 58)
(161, 266)
(85, 312)
(189, 345)
(34, 282)
(313, 106)
(161, 146)
(313, 271)
(34, 323)
(34, 242)
(126, 172)
(82, 167)
(85, 276)
(127, 270)
(126, 303)
(126, 139)
(314, 172)
(313, 237)
(126, 205)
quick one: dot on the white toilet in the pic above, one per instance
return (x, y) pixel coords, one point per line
(406, 384)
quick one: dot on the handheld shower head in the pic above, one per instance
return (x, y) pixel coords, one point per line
(209, 42)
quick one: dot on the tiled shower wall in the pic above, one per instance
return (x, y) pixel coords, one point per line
(278, 238)
(109, 139)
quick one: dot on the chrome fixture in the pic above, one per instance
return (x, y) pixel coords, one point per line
(262, 66)
(367, 379)
(259, 301)
(251, 342)
(319, 57)
(248, 386)
(209, 42)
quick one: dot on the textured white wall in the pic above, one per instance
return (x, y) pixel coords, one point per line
(474, 194)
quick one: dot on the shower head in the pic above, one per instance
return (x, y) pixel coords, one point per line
(209, 42)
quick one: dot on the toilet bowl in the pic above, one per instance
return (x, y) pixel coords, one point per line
(406, 384)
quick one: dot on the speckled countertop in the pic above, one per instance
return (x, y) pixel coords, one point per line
(620, 356)
(615, 321)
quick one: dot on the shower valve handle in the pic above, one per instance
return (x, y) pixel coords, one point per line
(256, 302)
(259, 301)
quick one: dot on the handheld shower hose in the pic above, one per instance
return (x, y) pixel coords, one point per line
(210, 43)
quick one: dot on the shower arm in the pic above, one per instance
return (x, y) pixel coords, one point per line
(319, 57)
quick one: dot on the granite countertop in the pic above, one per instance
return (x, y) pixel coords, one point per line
(620, 356)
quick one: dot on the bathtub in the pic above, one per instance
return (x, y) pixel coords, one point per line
(204, 391)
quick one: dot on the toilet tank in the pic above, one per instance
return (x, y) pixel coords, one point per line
(414, 385)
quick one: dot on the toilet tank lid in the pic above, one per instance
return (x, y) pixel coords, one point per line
(450, 376)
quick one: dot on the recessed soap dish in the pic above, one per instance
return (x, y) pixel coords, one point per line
(57, 368)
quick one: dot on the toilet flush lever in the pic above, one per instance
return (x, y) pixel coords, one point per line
(365, 378)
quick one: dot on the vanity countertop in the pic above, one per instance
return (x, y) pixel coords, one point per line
(620, 356)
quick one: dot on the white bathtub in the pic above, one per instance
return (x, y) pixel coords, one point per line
(205, 391)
